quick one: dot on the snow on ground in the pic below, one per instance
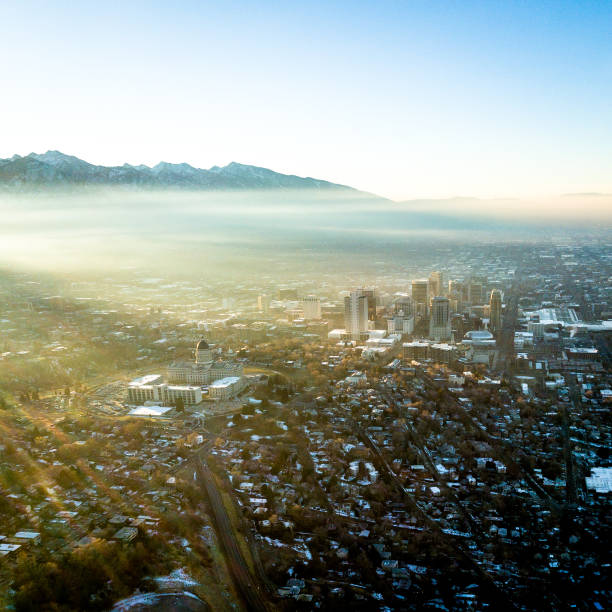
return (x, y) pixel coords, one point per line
(304, 551)
(271, 542)
(178, 576)
(160, 601)
(142, 599)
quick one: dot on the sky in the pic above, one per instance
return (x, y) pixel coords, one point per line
(404, 99)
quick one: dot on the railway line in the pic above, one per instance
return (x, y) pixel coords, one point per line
(248, 587)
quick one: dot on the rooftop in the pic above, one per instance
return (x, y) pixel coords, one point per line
(228, 381)
(148, 379)
(600, 480)
(149, 411)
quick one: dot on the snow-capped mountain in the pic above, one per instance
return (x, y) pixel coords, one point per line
(55, 169)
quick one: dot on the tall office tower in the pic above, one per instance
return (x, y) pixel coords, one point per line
(457, 327)
(436, 283)
(495, 307)
(356, 314)
(439, 323)
(475, 292)
(420, 296)
(455, 293)
(476, 289)
(371, 295)
(263, 303)
(311, 305)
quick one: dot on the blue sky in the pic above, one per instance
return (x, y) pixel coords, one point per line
(405, 99)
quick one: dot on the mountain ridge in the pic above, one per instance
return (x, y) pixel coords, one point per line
(55, 169)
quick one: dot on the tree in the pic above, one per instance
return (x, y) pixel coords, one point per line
(87, 578)
(552, 470)
(180, 404)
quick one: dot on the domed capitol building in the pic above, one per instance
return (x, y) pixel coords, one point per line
(204, 370)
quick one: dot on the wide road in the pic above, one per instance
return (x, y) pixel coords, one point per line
(247, 586)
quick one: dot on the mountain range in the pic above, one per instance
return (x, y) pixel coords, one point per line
(55, 169)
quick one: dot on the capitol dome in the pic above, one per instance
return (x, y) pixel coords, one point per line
(203, 353)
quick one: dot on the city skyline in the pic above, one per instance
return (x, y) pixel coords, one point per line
(305, 306)
(323, 423)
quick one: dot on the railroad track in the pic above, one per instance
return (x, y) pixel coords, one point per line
(246, 585)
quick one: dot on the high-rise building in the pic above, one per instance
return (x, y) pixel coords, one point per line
(477, 289)
(458, 326)
(495, 311)
(371, 296)
(311, 305)
(356, 314)
(436, 283)
(455, 294)
(263, 303)
(439, 323)
(420, 296)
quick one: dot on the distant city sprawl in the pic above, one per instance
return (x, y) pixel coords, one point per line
(427, 435)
